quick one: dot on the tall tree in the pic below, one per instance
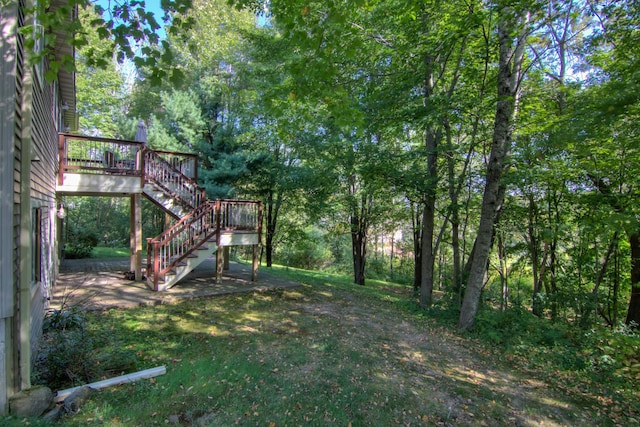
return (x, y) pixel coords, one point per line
(512, 29)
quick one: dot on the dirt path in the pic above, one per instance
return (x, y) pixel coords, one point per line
(475, 388)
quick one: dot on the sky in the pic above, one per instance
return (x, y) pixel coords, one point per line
(150, 5)
(127, 69)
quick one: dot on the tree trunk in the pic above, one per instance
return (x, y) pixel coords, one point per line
(417, 247)
(359, 229)
(534, 252)
(455, 214)
(428, 257)
(428, 214)
(510, 61)
(633, 313)
(502, 257)
(272, 208)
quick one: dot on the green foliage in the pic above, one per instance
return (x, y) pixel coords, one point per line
(73, 354)
(63, 319)
(613, 353)
(100, 91)
(130, 32)
(305, 250)
(519, 332)
(80, 242)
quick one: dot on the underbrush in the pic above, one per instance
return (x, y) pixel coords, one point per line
(602, 362)
(73, 352)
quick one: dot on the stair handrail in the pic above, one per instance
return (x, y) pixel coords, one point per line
(170, 180)
(167, 250)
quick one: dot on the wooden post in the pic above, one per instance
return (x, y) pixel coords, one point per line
(218, 210)
(226, 258)
(136, 236)
(254, 272)
(219, 264)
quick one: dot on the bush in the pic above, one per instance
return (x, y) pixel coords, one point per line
(59, 320)
(69, 354)
(613, 352)
(307, 251)
(80, 243)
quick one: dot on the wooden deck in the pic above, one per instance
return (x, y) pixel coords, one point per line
(92, 166)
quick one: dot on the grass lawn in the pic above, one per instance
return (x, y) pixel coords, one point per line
(327, 353)
(104, 252)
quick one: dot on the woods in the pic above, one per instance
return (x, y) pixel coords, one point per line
(484, 153)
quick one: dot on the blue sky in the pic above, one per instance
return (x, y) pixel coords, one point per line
(150, 5)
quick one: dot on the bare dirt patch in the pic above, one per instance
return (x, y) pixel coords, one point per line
(435, 365)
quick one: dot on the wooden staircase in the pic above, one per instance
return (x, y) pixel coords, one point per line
(168, 187)
(202, 223)
(95, 166)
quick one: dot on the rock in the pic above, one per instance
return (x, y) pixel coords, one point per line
(76, 399)
(210, 419)
(31, 402)
(174, 419)
(54, 415)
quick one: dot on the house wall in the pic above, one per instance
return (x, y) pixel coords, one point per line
(30, 113)
(44, 148)
(7, 222)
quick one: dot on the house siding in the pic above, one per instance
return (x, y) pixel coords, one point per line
(29, 110)
(43, 186)
(8, 22)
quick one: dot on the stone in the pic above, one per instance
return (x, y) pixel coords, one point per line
(54, 415)
(31, 402)
(76, 399)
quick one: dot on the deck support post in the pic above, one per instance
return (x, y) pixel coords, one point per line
(136, 236)
(254, 270)
(226, 258)
(219, 264)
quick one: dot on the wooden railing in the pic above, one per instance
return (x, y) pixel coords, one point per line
(90, 154)
(240, 215)
(186, 163)
(175, 175)
(170, 180)
(166, 251)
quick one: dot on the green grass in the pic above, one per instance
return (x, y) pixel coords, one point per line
(328, 353)
(103, 252)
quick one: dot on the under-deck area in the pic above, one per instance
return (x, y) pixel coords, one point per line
(98, 284)
(94, 166)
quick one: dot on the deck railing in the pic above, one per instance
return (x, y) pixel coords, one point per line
(175, 175)
(166, 251)
(95, 155)
(186, 163)
(170, 180)
(240, 215)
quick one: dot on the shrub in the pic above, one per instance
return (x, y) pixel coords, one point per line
(69, 354)
(61, 319)
(80, 243)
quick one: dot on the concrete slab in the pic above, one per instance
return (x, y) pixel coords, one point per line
(99, 284)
